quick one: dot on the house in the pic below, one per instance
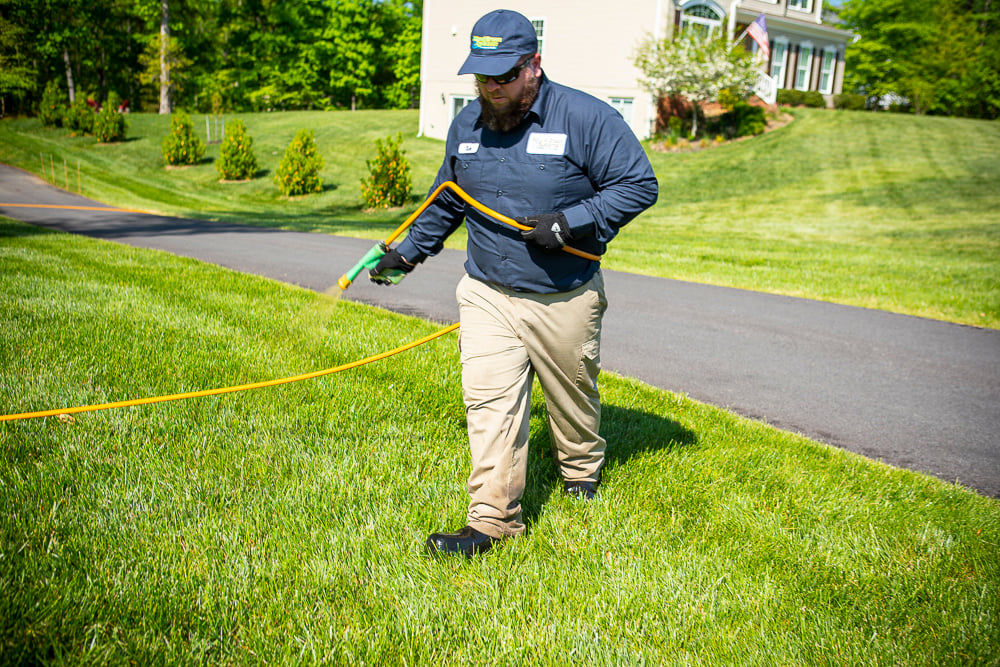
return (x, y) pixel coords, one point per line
(590, 45)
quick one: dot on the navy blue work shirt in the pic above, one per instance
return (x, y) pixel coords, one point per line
(573, 154)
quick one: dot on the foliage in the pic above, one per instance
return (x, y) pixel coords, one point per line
(182, 145)
(79, 117)
(850, 102)
(941, 55)
(745, 120)
(695, 68)
(237, 161)
(389, 181)
(110, 124)
(17, 74)
(307, 54)
(52, 109)
(801, 98)
(298, 172)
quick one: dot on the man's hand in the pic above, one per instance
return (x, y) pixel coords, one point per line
(549, 230)
(392, 265)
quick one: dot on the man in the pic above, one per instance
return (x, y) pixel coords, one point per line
(566, 165)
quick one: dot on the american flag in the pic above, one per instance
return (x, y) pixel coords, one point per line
(758, 33)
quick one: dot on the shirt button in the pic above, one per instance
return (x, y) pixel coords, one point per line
(503, 159)
(541, 166)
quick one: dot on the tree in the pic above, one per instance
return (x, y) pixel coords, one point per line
(694, 68)
(17, 76)
(354, 36)
(941, 55)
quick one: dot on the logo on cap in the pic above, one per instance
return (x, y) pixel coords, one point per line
(485, 42)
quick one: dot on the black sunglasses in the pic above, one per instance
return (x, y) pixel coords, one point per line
(506, 77)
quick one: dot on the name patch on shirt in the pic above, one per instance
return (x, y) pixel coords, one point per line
(467, 148)
(547, 143)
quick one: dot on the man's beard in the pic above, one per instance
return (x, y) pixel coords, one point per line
(507, 119)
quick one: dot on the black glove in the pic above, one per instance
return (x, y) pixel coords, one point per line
(549, 230)
(391, 262)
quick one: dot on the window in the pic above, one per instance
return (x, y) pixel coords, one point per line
(804, 68)
(701, 19)
(459, 102)
(540, 33)
(623, 105)
(779, 61)
(801, 5)
(826, 70)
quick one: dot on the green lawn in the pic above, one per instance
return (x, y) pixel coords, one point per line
(885, 211)
(285, 525)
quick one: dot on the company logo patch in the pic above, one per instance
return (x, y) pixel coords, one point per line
(486, 42)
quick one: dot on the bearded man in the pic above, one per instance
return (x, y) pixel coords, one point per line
(566, 165)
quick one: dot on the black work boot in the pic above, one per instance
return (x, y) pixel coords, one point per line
(581, 489)
(467, 541)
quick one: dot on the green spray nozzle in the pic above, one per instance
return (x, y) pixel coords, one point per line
(370, 261)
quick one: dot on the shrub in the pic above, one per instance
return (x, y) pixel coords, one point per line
(79, 118)
(298, 172)
(789, 97)
(745, 119)
(814, 99)
(110, 125)
(850, 102)
(52, 109)
(388, 182)
(236, 159)
(182, 145)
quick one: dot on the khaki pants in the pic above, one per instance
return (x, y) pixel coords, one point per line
(506, 338)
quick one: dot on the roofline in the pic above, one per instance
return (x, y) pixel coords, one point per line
(796, 26)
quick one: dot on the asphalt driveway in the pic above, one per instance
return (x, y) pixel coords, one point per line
(911, 392)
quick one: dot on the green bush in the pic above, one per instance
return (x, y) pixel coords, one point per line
(79, 118)
(237, 161)
(850, 102)
(745, 119)
(794, 98)
(388, 182)
(814, 99)
(110, 125)
(788, 97)
(182, 145)
(52, 109)
(298, 172)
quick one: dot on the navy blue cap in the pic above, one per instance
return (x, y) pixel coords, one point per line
(499, 40)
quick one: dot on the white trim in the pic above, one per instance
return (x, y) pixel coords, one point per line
(782, 75)
(799, 67)
(541, 40)
(830, 73)
(452, 99)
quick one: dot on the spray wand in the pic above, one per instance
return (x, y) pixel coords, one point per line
(372, 257)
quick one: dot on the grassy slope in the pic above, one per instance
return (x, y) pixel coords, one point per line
(886, 211)
(285, 525)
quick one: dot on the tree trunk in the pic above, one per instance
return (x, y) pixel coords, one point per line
(164, 65)
(69, 77)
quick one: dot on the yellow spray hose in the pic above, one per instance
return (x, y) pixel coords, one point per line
(228, 390)
(346, 279)
(344, 282)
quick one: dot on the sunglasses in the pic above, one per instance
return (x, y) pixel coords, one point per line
(506, 77)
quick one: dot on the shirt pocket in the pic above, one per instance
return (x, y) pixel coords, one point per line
(539, 183)
(471, 177)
